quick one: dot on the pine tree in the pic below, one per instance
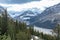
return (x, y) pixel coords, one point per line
(4, 22)
(57, 30)
(11, 29)
(17, 26)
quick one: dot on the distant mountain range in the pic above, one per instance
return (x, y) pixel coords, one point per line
(26, 15)
(46, 19)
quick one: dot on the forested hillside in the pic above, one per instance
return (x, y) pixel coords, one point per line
(11, 29)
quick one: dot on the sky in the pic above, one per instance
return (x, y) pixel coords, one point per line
(16, 1)
(19, 5)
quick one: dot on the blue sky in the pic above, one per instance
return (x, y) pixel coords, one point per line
(16, 1)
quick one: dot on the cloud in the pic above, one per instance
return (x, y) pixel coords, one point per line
(34, 4)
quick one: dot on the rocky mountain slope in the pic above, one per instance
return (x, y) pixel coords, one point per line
(48, 18)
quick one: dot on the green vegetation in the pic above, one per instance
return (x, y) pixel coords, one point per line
(57, 31)
(14, 30)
